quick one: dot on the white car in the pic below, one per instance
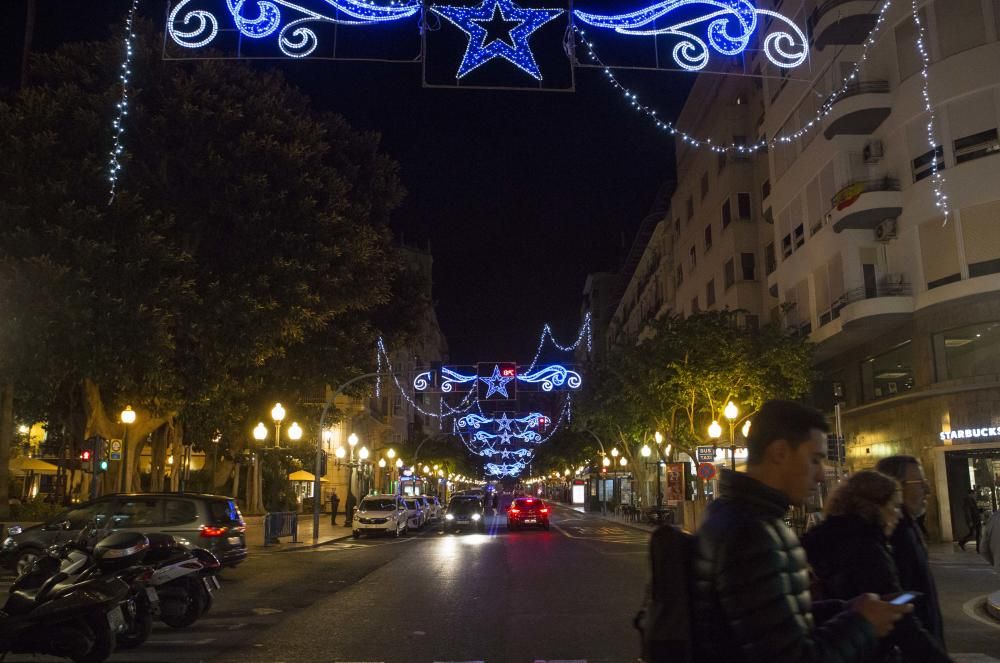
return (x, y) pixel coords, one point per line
(381, 514)
(433, 507)
(417, 514)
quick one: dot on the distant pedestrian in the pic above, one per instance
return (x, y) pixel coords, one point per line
(849, 553)
(973, 519)
(990, 548)
(751, 601)
(909, 548)
(334, 506)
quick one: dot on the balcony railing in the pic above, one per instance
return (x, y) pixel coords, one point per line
(860, 186)
(857, 28)
(886, 289)
(855, 89)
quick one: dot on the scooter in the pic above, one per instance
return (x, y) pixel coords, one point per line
(184, 579)
(48, 613)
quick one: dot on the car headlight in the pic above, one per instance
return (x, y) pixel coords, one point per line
(449, 517)
(475, 516)
(14, 530)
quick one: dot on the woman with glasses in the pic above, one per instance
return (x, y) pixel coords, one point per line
(850, 555)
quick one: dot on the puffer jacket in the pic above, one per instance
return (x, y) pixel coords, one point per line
(851, 556)
(750, 598)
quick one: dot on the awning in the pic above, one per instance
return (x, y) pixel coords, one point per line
(22, 465)
(302, 475)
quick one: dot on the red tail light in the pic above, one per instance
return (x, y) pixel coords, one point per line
(513, 510)
(543, 510)
(212, 532)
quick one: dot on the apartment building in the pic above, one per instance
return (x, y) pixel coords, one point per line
(601, 295)
(836, 234)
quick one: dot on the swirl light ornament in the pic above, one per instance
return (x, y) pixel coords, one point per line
(553, 376)
(729, 26)
(194, 27)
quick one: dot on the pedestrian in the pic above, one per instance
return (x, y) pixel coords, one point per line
(973, 519)
(849, 554)
(990, 548)
(334, 505)
(909, 547)
(750, 596)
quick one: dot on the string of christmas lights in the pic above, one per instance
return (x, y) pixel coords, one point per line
(708, 143)
(937, 180)
(118, 125)
(583, 334)
(384, 359)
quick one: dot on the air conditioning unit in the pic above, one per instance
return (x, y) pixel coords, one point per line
(873, 152)
(885, 230)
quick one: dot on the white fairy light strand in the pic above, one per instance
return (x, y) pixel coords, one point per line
(583, 334)
(708, 143)
(384, 357)
(118, 126)
(937, 180)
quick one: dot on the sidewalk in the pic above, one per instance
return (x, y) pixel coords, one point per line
(327, 533)
(645, 527)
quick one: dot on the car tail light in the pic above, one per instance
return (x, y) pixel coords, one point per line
(513, 510)
(209, 532)
(543, 510)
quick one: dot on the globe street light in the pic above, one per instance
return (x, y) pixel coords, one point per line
(352, 441)
(731, 412)
(606, 462)
(127, 417)
(715, 430)
(278, 415)
(295, 432)
(658, 436)
(363, 453)
(260, 432)
(391, 453)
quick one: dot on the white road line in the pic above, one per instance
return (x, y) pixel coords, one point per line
(969, 608)
(180, 643)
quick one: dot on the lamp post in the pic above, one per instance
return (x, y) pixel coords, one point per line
(731, 412)
(277, 414)
(352, 441)
(646, 452)
(128, 418)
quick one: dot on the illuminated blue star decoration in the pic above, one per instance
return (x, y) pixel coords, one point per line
(497, 29)
(503, 423)
(496, 383)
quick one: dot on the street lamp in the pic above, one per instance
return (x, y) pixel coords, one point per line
(352, 441)
(278, 415)
(128, 418)
(260, 432)
(658, 436)
(746, 429)
(391, 453)
(295, 432)
(731, 412)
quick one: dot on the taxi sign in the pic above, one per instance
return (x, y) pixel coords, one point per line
(705, 454)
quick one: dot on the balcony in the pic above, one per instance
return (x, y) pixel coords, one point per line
(863, 314)
(858, 109)
(863, 204)
(842, 22)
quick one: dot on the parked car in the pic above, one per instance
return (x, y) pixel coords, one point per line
(527, 511)
(433, 507)
(381, 514)
(417, 514)
(212, 522)
(465, 511)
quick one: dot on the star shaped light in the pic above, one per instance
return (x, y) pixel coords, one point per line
(486, 26)
(496, 383)
(503, 423)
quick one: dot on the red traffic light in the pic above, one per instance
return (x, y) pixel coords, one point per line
(85, 455)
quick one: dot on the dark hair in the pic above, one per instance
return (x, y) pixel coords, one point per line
(895, 466)
(863, 495)
(781, 420)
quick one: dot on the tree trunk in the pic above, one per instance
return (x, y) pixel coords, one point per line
(158, 458)
(236, 482)
(6, 435)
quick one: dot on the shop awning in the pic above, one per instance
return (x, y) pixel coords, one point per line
(302, 475)
(22, 465)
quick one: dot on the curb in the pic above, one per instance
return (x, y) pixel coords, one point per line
(993, 605)
(301, 545)
(635, 526)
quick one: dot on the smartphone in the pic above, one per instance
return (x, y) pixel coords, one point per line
(904, 598)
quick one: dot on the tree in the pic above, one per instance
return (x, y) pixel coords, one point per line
(246, 251)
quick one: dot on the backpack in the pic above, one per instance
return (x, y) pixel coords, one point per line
(664, 620)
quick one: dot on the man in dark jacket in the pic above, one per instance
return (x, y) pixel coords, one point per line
(751, 600)
(908, 546)
(973, 520)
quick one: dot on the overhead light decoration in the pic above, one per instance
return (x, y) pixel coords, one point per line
(497, 29)
(121, 108)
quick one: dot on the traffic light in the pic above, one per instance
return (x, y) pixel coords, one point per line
(102, 465)
(86, 460)
(101, 455)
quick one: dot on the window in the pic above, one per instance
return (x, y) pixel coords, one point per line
(960, 26)
(968, 351)
(730, 274)
(692, 258)
(889, 373)
(922, 165)
(92, 513)
(907, 55)
(982, 241)
(694, 305)
(708, 237)
(690, 209)
(800, 235)
(977, 146)
(786, 246)
(727, 214)
(743, 206)
(680, 276)
(178, 512)
(748, 262)
(770, 262)
(710, 294)
(704, 186)
(137, 512)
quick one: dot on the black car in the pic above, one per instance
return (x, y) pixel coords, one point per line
(465, 512)
(204, 521)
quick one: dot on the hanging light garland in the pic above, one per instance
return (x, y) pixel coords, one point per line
(118, 125)
(937, 179)
(583, 335)
(708, 143)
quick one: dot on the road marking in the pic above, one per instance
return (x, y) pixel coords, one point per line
(180, 643)
(973, 658)
(969, 608)
(265, 611)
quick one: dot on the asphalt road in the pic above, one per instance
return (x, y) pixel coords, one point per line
(566, 595)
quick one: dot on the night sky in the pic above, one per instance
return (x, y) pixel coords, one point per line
(519, 193)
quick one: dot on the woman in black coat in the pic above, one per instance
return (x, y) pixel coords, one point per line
(849, 554)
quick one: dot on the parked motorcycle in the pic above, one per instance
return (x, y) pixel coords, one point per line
(183, 578)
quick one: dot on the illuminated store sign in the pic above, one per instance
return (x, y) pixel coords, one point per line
(967, 433)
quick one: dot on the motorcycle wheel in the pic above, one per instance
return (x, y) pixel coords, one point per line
(207, 595)
(194, 609)
(104, 641)
(140, 625)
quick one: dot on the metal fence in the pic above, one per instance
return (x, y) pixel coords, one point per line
(282, 523)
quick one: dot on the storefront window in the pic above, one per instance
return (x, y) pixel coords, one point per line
(889, 374)
(968, 351)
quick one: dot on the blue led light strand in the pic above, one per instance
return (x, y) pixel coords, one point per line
(481, 49)
(118, 125)
(732, 147)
